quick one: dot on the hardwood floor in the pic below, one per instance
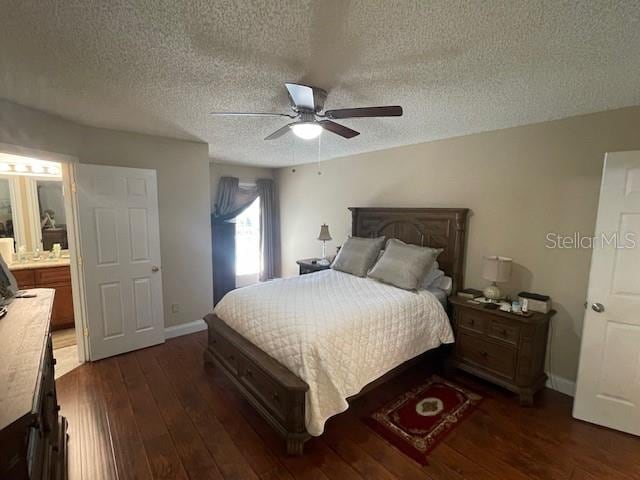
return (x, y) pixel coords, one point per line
(159, 413)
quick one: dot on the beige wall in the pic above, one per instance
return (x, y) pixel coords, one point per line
(520, 183)
(183, 193)
(244, 172)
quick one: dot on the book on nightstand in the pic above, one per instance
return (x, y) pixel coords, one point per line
(470, 293)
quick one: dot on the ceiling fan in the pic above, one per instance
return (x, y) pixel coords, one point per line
(307, 103)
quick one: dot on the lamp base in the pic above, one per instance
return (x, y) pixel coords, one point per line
(492, 292)
(324, 262)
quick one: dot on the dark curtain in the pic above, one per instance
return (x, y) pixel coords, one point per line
(231, 200)
(269, 229)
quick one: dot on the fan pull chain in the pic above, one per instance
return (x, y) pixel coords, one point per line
(319, 150)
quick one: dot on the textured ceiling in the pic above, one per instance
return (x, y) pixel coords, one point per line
(456, 67)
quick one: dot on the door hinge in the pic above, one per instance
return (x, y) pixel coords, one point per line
(74, 189)
(79, 260)
(85, 332)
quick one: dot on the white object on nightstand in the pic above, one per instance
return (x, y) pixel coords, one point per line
(496, 269)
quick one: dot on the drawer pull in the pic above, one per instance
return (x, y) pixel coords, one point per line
(275, 397)
(54, 362)
(472, 322)
(231, 358)
(248, 373)
(484, 354)
(504, 332)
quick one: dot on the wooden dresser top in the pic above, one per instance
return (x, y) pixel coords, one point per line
(23, 339)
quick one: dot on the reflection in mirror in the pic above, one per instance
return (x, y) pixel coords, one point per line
(6, 212)
(52, 216)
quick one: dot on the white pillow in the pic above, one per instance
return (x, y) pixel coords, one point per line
(430, 279)
(444, 283)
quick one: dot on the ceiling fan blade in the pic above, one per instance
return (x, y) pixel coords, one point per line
(390, 111)
(248, 114)
(278, 133)
(338, 129)
(301, 96)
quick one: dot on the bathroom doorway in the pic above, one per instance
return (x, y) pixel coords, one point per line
(34, 242)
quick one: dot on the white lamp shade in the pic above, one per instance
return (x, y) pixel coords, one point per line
(324, 233)
(496, 269)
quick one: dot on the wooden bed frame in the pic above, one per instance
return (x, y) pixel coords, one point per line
(277, 393)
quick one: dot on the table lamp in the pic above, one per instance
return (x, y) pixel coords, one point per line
(324, 237)
(496, 269)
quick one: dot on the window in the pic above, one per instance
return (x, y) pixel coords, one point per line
(248, 262)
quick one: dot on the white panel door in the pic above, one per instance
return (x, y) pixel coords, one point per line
(608, 387)
(120, 249)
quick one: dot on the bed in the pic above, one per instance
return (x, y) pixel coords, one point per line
(297, 349)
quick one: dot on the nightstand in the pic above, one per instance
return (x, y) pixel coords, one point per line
(307, 265)
(506, 349)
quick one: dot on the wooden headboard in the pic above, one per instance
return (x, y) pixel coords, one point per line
(430, 227)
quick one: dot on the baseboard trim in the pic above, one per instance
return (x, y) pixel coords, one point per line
(184, 329)
(561, 384)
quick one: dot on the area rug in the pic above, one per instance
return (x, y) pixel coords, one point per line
(416, 421)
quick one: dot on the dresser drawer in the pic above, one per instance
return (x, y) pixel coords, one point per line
(472, 320)
(25, 278)
(225, 352)
(271, 394)
(497, 359)
(504, 331)
(53, 276)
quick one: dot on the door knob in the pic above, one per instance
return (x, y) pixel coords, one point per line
(597, 307)
(155, 269)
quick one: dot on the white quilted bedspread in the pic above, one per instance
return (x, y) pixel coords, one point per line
(336, 331)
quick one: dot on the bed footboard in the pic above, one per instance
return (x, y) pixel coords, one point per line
(273, 390)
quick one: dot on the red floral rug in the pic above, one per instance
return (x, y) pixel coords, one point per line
(419, 419)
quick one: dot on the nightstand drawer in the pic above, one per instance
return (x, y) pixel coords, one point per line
(497, 359)
(472, 320)
(504, 331)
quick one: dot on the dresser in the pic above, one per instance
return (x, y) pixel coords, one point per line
(504, 348)
(32, 434)
(56, 277)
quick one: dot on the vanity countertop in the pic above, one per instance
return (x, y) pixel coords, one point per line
(44, 263)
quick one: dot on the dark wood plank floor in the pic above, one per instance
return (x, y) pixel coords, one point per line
(159, 413)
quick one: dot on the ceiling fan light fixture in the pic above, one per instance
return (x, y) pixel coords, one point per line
(306, 131)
